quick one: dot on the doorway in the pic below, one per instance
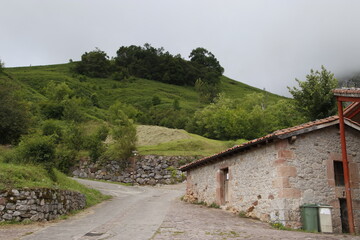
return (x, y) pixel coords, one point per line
(224, 189)
(344, 215)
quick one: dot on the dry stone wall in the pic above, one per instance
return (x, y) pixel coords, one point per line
(143, 170)
(38, 204)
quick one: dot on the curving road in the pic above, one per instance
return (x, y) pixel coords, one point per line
(133, 213)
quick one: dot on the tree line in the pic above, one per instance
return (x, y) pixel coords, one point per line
(152, 63)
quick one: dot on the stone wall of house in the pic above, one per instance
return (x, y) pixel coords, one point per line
(38, 204)
(272, 181)
(250, 190)
(143, 170)
(311, 158)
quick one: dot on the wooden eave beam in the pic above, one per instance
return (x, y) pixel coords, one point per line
(348, 99)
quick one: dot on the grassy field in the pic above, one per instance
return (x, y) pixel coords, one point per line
(168, 142)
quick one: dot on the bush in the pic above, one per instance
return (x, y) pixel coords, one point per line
(51, 110)
(74, 137)
(52, 128)
(95, 142)
(65, 159)
(72, 110)
(36, 149)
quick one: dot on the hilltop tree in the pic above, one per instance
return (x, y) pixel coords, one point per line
(314, 96)
(94, 64)
(206, 59)
(208, 83)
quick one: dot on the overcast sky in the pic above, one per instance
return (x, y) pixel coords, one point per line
(264, 43)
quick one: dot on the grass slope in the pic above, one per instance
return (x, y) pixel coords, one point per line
(32, 176)
(136, 91)
(165, 141)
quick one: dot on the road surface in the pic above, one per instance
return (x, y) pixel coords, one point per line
(133, 213)
(154, 213)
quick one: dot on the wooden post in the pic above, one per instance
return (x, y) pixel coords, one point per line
(346, 168)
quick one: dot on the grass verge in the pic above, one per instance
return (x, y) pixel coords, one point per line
(32, 176)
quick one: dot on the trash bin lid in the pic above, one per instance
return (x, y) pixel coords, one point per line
(309, 206)
(324, 206)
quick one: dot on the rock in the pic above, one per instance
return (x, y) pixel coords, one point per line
(34, 217)
(22, 207)
(10, 206)
(16, 213)
(151, 182)
(15, 192)
(140, 181)
(76, 173)
(7, 216)
(2, 201)
(157, 176)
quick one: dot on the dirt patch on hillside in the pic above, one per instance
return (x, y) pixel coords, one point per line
(153, 135)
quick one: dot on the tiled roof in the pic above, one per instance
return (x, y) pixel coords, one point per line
(279, 134)
(347, 92)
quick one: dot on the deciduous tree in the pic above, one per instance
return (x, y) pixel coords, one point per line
(314, 96)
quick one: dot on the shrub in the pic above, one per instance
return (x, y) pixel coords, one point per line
(72, 110)
(65, 159)
(74, 137)
(52, 128)
(52, 110)
(94, 143)
(37, 149)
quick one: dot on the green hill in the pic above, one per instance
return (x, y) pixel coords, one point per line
(138, 96)
(136, 91)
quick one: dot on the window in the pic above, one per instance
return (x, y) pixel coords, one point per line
(339, 173)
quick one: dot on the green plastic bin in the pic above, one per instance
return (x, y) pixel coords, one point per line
(310, 217)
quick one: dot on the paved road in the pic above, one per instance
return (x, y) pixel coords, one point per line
(154, 213)
(133, 213)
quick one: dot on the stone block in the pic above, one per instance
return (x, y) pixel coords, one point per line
(282, 182)
(279, 161)
(286, 171)
(281, 144)
(287, 154)
(289, 193)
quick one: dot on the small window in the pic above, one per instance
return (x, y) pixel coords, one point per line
(339, 173)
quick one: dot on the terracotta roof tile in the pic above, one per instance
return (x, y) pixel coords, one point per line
(346, 91)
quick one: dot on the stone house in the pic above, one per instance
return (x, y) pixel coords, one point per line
(269, 178)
